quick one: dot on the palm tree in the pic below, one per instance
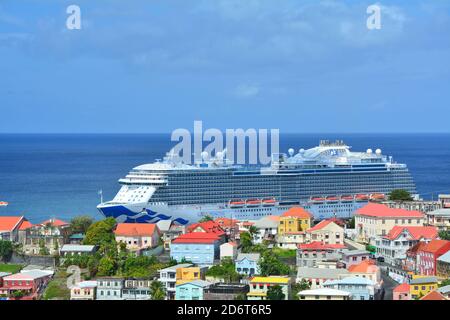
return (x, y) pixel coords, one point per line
(157, 290)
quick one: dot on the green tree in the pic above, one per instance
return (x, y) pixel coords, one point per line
(157, 290)
(270, 265)
(6, 250)
(351, 223)
(400, 195)
(81, 224)
(300, 286)
(444, 283)
(241, 296)
(206, 218)
(275, 293)
(101, 232)
(444, 235)
(252, 230)
(246, 241)
(106, 266)
(138, 266)
(225, 270)
(43, 250)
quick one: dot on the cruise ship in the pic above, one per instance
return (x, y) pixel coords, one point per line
(328, 180)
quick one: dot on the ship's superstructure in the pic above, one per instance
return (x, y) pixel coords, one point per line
(328, 180)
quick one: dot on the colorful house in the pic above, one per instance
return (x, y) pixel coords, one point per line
(247, 264)
(410, 263)
(137, 236)
(394, 245)
(260, 285)
(352, 257)
(375, 219)
(211, 227)
(187, 274)
(422, 285)
(294, 220)
(434, 295)
(309, 254)
(327, 232)
(26, 285)
(168, 277)
(51, 234)
(360, 288)
(201, 248)
(192, 290)
(9, 228)
(367, 269)
(316, 277)
(427, 256)
(402, 292)
(84, 290)
(109, 288)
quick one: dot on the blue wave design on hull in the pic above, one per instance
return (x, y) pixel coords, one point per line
(148, 216)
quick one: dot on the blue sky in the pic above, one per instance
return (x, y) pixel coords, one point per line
(158, 65)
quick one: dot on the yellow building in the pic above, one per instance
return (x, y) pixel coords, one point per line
(260, 285)
(422, 285)
(294, 220)
(189, 274)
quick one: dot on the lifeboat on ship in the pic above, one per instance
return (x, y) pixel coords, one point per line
(268, 202)
(346, 198)
(377, 196)
(253, 202)
(317, 199)
(361, 197)
(332, 199)
(3, 203)
(236, 204)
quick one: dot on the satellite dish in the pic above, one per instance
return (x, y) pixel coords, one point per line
(301, 151)
(204, 155)
(291, 152)
(369, 151)
(378, 152)
(219, 155)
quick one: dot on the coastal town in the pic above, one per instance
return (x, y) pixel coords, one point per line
(390, 249)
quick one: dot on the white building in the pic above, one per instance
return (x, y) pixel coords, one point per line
(228, 249)
(267, 229)
(168, 277)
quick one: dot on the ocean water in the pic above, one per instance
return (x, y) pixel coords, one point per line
(46, 176)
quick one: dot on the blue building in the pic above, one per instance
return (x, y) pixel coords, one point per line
(360, 288)
(247, 264)
(197, 247)
(192, 290)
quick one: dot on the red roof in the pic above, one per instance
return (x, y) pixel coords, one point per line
(380, 210)
(417, 247)
(322, 224)
(9, 223)
(135, 229)
(433, 295)
(297, 212)
(196, 237)
(436, 246)
(226, 222)
(366, 266)
(25, 225)
(208, 227)
(404, 287)
(55, 223)
(318, 245)
(417, 233)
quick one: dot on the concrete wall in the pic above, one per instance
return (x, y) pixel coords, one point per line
(44, 261)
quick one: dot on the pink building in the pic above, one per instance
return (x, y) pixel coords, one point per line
(428, 254)
(26, 285)
(401, 292)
